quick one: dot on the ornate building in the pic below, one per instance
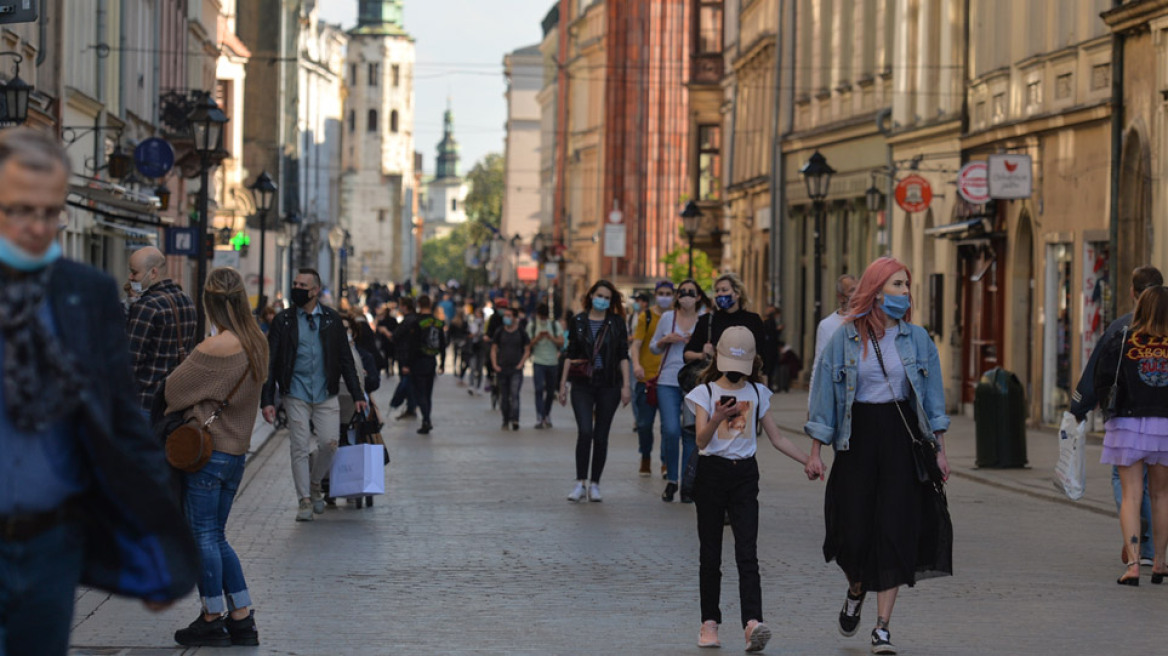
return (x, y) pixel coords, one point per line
(443, 201)
(378, 184)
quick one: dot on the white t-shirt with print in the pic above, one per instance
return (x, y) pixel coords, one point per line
(736, 438)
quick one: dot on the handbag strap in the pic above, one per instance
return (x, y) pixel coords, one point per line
(880, 358)
(182, 349)
(599, 340)
(226, 402)
(1122, 341)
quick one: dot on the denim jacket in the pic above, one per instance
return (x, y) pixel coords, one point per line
(836, 373)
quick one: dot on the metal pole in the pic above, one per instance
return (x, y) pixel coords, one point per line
(819, 211)
(260, 301)
(201, 268)
(690, 237)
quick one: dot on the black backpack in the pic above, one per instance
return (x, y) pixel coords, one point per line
(431, 335)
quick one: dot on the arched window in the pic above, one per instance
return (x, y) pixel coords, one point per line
(393, 121)
(372, 127)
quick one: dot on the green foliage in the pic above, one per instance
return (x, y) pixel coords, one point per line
(484, 202)
(676, 262)
(445, 258)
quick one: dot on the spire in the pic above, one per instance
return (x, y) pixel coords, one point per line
(448, 147)
(380, 17)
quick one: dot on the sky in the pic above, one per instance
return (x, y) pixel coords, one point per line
(460, 48)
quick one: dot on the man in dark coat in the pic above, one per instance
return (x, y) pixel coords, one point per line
(84, 489)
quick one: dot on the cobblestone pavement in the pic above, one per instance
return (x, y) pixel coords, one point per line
(475, 550)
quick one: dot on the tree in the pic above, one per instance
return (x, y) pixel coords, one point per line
(676, 262)
(444, 258)
(484, 203)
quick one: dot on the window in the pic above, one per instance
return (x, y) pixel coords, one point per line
(709, 161)
(353, 74)
(393, 121)
(999, 106)
(453, 204)
(352, 120)
(710, 28)
(396, 76)
(1062, 86)
(1034, 93)
(372, 127)
(374, 74)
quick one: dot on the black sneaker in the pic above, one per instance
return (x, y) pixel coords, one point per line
(243, 632)
(670, 490)
(425, 429)
(506, 426)
(407, 415)
(848, 621)
(514, 425)
(202, 633)
(882, 642)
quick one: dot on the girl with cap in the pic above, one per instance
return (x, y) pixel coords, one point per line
(731, 404)
(870, 380)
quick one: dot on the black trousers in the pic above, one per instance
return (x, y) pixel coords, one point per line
(594, 408)
(510, 381)
(422, 390)
(728, 487)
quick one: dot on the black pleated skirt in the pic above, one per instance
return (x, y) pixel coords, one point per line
(882, 528)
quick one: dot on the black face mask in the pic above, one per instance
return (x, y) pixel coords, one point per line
(734, 376)
(300, 297)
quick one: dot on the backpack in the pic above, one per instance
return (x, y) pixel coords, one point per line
(431, 336)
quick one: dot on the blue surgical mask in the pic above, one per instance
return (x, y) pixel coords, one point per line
(725, 301)
(600, 304)
(17, 258)
(896, 306)
(507, 321)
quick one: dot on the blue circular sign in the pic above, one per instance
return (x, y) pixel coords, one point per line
(154, 157)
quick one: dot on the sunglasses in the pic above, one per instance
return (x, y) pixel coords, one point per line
(687, 292)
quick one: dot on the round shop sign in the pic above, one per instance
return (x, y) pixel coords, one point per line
(914, 194)
(973, 183)
(154, 157)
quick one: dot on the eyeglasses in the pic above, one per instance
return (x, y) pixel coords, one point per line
(23, 215)
(686, 293)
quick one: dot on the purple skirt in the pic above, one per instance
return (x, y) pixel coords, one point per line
(1129, 440)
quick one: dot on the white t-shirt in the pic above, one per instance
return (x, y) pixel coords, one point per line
(736, 438)
(825, 330)
(871, 386)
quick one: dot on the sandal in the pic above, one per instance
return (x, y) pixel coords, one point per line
(1133, 581)
(1158, 577)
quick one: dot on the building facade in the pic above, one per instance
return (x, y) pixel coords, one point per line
(523, 70)
(443, 199)
(378, 184)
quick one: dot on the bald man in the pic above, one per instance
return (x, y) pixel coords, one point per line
(161, 323)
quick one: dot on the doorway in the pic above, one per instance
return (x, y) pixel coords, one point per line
(1056, 341)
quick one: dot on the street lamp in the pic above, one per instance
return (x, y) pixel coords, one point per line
(15, 92)
(206, 123)
(690, 218)
(817, 174)
(263, 191)
(163, 193)
(874, 198)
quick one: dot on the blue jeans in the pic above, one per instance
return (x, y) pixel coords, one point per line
(209, 495)
(669, 403)
(546, 386)
(645, 414)
(1147, 548)
(403, 394)
(38, 579)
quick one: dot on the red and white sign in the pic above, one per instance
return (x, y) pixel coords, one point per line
(914, 194)
(973, 183)
(1010, 176)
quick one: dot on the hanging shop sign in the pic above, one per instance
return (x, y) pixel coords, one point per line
(154, 157)
(914, 194)
(973, 183)
(614, 240)
(1010, 176)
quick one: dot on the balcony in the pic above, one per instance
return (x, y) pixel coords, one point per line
(706, 69)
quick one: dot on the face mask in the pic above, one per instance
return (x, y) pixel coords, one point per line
(896, 306)
(636, 306)
(214, 330)
(664, 302)
(725, 301)
(300, 297)
(507, 321)
(136, 287)
(734, 376)
(17, 258)
(600, 304)
(688, 302)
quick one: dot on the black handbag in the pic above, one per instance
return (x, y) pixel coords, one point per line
(924, 450)
(1113, 394)
(585, 369)
(687, 377)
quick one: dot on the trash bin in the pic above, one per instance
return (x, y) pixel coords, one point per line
(999, 410)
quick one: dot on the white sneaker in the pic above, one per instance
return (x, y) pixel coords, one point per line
(578, 492)
(594, 493)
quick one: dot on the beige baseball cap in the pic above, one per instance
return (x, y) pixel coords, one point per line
(736, 350)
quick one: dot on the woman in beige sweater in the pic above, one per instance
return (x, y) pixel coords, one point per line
(235, 357)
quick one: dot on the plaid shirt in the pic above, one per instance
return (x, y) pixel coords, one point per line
(154, 336)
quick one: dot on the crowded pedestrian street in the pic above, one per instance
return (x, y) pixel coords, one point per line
(475, 550)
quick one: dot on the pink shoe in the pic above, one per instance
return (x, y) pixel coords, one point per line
(709, 635)
(757, 635)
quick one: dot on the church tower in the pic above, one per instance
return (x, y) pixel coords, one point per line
(444, 199)
(447, 148)
(378, 188)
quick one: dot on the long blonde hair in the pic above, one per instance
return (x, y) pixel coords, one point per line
(225, 299)
(739, 288)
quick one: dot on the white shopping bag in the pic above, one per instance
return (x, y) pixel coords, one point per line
(358, 471)
(1071, 471)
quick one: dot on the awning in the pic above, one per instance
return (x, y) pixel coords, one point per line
(115, 202)
(132, 235)
(961, 229)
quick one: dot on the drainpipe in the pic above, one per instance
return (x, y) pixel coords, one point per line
(1116, 154)
(784, 95)
(884, 126)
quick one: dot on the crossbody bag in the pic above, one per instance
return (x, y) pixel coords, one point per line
(189, 446)
(924, 450)
(585, 369)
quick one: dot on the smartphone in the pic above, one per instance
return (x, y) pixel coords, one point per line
(726, 399)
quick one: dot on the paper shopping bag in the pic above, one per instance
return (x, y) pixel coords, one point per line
(1071, 471)
(357, 471)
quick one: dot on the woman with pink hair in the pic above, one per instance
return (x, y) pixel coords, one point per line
(877, 383)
